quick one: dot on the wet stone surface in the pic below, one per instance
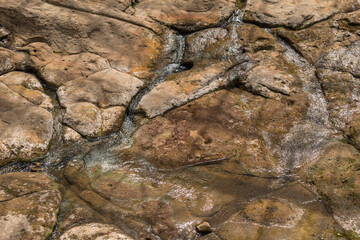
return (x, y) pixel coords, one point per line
(183, 120)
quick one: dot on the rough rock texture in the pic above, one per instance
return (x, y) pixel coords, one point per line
(117, 6)
(122, 10)
(10, 60)
(29, 87)
(25, 128)
(57, 69)
(269, 82)
(335, 176)
(70, 134)
(296, 13)
(341, 93)
(280, 215)
(198, 41)
(353, 130)
(90, 121)
(84, 32)
(182, 87)
(163, 205)
(204, 228)
(95, 106)
(343, 59)
(4, 32)
(217, 127)
(230, 44)
(186, 15)
(219, 63)
(190, 134)
(323, 37)
(105, 89)
(30, 210)
(270, 212)
(94, 231)
(173, 119)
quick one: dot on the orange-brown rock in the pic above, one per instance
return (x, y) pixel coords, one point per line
(25, 128)
(294, 13)
(10, 60)
(335, 176)
(223, 126)
(340, 90)
(28, 86)
(321, 38)
(31, 211)
(82, 32)
(186, 15)
(57, 69)
(282, 214)
(95, 230)
(95, 106)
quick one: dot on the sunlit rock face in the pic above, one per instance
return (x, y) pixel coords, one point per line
(186, 15)
(95, 230)
(295, 14)
(154, 120)
(26, 124)
(29, 205)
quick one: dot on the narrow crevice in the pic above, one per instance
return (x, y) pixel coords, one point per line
(320, 198)
(54, 234)
(171, 68)
(120, 17)
(287, 44)
(199, 164)
(230, 85)
(291, 28)
(298, 28)
(236, 17)
(241, 4)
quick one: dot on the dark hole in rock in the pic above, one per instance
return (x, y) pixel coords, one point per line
(187, 65)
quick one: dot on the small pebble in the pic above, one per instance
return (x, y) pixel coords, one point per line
(204, 228)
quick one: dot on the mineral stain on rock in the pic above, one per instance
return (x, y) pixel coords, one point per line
(154, 120)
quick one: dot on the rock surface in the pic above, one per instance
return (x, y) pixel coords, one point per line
(179, 119)
(335, 177)
(95, 106)
(30, 210)
(85, 32)
(321, 38)
(29, 87)
(271, 212)
(10, 60)
(343, 59)
(70, 134)
(340, 90)
(219, 63)
(294, 14)
(281, 214)
(57, 69)
(105, 89)
(186, 16)
(94, 231)
(220, 126)
(352, 130)
(180, 88)
(204, 228)
(25, 128)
